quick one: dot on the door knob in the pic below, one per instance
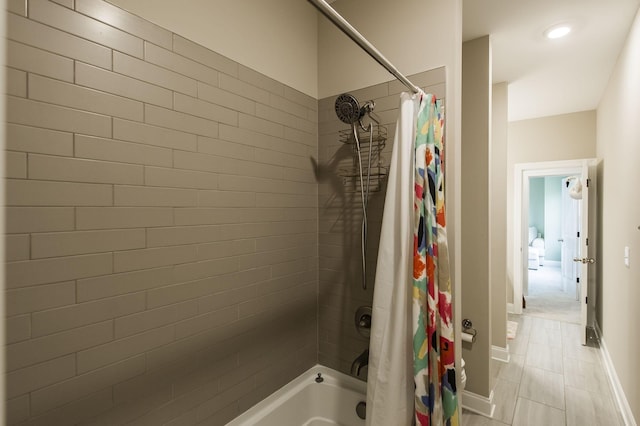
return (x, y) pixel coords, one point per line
(590, 260)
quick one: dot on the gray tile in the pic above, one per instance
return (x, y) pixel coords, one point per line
(118, 84)
(260, 125)
(531, 413)
(125, 21)
(541, 356)
(505, 395)
(84, 384)
(17, 409)
(85, 27)
(15, 165)
(167, 59)
(69, 317)
(40, 375)
(262, 81)
(47, 193)
(18, 329)
(16, 82)
(45, 167)
(66, 3)
(519, 345)
(81, 98)
(154, 74)
(543, 386)
(40, 114)
(584, 375)
(39, 219)
(588, 408)
(115, 284)
(123, 152)
(43, 141)
(121, 349)
(78, 411)
(549, 337)
(43, 271)
(32, 299)
(243, 89)
(472, 419)
(122, 217)
(511, 371)
(203, 55)
(53, 40)
(152, 135)
(180, 121)
(39, 350)
(17, 6)
(205, 109)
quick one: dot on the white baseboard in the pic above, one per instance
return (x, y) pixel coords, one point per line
(510, 308)
(478, 404)
(500, 354)
(618, 392)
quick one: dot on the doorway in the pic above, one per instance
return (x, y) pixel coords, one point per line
(583, 171)
(551, 289)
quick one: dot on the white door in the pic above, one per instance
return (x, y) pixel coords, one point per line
(587, 259)
(569, 241)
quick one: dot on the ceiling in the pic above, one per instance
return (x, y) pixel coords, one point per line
(551, 77)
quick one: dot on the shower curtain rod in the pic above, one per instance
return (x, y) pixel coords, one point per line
(350, 31)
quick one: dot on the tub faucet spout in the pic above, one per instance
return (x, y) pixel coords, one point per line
(358, 363)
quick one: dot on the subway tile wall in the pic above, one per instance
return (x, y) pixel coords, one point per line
(162, 216)
(340, 218)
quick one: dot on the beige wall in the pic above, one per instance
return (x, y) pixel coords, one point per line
(162, 224)
(277, 38)
(498, 215)
(413, 42)
(619, 148)
(476, 134)
(340, 218)
(560, 137)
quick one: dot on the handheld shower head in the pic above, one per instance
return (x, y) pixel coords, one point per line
(347, 109)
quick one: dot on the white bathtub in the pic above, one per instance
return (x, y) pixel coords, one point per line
(303, 402)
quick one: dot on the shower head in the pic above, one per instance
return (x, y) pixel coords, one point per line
(347, 109)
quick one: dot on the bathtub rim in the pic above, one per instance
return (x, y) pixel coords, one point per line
(331, 377)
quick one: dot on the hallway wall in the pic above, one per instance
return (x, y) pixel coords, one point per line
(618, 144)
(476, 257)
(498, 214)
(561, 137)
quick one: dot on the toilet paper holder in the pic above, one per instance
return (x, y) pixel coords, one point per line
(468, 332)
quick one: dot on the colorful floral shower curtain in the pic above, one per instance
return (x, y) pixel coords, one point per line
(411, 376)
(433, 332)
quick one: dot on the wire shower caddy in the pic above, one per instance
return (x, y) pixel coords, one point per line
(379, 171)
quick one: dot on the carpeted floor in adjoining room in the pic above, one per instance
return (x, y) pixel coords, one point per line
(546, 299)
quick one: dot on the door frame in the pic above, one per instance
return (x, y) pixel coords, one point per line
(522, 173)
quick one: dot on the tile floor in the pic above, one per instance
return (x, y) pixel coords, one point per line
(551, 380)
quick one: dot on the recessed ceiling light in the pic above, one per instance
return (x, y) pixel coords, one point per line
(557, 31)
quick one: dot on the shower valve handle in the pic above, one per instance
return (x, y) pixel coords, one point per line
(365, 321)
